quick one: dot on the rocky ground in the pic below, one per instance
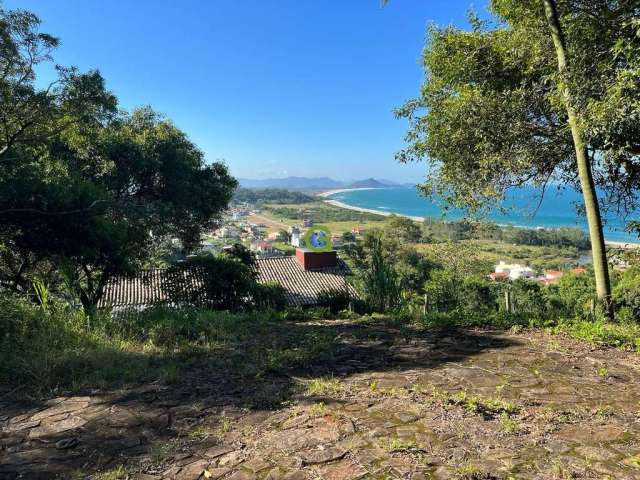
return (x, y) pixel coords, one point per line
(389, 402)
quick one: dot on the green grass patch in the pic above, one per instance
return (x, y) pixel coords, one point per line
(45, 352)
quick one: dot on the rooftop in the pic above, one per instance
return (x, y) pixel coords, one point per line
(302, 286)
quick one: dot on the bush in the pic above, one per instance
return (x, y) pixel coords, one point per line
(626, 295)
(269, 296)
(378, 278)
(335, 299)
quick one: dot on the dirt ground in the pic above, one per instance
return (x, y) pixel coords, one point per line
(388, 402)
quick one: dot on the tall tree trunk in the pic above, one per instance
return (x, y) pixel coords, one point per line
(598, 252)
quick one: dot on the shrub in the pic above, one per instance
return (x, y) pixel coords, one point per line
(378, 278)
(335, 299)
(227, 283)
(269, 296)
(626, 294)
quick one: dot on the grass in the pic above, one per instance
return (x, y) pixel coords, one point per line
(399, 445)
(323, 386)
(44, 353)
(47, 352)
(508, 425)
(318, 409)
(624, 335)
(118, 473)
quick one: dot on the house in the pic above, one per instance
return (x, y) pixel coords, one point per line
(495, 276)
(208, 247)
(306, 275)
(228, 231)
(303, 276)
(296, 236)
(307, 222)
(264, 249)
(551, 276)
(358, 230)
(578, 271)
(514, 271)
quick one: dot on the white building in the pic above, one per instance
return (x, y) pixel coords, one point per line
(296, 236)
(514, 270)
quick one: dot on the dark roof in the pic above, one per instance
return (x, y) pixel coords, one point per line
(303, 286)
(149, 287)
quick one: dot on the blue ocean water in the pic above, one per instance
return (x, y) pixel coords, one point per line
(558, 209)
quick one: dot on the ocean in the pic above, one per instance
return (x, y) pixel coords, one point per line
(557, 210)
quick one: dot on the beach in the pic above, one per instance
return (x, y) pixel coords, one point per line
(335, 203)
(340, 190)
(610, 243)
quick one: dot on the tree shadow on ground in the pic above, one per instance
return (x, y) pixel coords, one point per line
(253, 374)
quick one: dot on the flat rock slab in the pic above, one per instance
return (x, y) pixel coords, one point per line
(402, 403)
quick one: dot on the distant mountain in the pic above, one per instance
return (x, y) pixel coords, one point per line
(368, 183)
(316, 183)
(296, 183)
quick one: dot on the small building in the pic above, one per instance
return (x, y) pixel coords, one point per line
(296, 236)
(264, 249)
(496, 276)
(303, 276)
(552, 276)
(228, 231)
(515, 270)
(307, 222)
(358, 230)
(306, 275)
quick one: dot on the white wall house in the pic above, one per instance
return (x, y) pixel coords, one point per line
(515, 270)
(296, 236)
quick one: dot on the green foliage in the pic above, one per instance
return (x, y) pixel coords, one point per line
(43, 353)
(336, 300)
(41, 291)
(378, 278)
(270, 195)
(321, 214)
(627, 294)
(270, 296)
(227, 283)
(402, 229)
(85, 188)
(490, 113)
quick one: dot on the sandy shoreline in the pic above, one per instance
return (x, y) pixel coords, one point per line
(340, 190)
(335, 203)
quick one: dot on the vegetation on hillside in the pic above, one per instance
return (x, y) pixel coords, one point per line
(546, 93)
(87, 190)
(270, 195)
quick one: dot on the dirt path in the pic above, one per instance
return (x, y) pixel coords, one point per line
(388, 401)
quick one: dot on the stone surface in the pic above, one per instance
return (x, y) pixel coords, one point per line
(411, 404)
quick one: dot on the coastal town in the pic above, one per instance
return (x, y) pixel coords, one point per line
(252, 225)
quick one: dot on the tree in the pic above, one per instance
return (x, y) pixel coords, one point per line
(376, 272)
(30, 115)
(548, 95)
(85, 189)
(403, 229)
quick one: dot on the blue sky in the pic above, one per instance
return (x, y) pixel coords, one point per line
(272, 87)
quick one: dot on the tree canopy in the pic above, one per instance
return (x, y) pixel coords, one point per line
(86, 189)
(490, 116)
(548, 93)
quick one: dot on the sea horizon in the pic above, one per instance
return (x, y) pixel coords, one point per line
(557, 210)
